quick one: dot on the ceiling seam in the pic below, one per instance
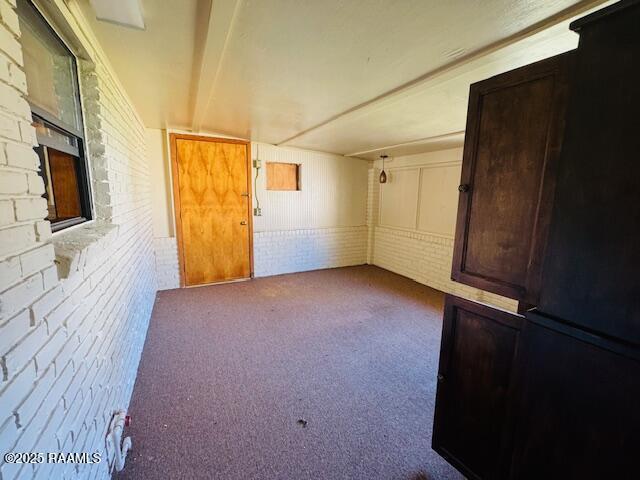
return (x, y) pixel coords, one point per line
(537, 27)
(434, 138)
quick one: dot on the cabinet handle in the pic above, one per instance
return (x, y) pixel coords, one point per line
(243, 222)
(440, 378)
(463, 188)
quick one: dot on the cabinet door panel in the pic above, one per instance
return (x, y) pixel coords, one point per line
(514, 130)
(478, 349)
(594, 236)
(578, 416)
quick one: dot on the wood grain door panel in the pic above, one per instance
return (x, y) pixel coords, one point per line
(212, 209)
(506, 179)
(475, 377)
(514, 130)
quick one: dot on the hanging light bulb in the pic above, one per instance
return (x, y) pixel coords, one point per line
(383, 175)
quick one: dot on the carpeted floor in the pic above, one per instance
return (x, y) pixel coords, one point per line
(321, 375)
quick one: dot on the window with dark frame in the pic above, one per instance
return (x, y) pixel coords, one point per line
(54, 97)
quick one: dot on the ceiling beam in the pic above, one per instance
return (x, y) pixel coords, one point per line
(453, 136)
(222, 16)
(564, 15)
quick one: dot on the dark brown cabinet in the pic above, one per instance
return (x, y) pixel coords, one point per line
(514, 130)
(577, 411)
(594, 242)
(477, 355)
(534, 398)
(549, 214)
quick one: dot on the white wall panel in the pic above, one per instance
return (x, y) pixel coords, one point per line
(438, 202)
(159, 168)
(399, 198)
(333, 194)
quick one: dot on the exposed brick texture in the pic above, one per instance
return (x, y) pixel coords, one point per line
(167, 269)
(74, 307)
(279, 252)
(290, 251)
(423, 257)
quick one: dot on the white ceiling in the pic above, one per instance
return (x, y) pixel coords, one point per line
(355, 77)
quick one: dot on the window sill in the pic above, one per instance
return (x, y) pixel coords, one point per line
(73, 247)
(64, 224)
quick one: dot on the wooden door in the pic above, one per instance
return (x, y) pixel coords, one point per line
(211, 182)
(514, 130)
(475, 387)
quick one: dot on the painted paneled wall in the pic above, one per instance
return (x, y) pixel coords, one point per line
(411, 221)
(333, 191)
(323, 225)
(159, 170)
(421, 192)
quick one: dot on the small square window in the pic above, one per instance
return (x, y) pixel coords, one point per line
(283, 176)
(54, 97)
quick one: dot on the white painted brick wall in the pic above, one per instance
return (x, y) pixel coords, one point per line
(423, 257)
(167, 268)
(427, 259)
(278, 252)
(69, 349)
(291, 251)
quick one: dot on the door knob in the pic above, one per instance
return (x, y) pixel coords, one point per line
(243, 222)
(440, 378)
(463, 188)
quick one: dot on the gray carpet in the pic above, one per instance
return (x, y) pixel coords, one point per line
(320, 375)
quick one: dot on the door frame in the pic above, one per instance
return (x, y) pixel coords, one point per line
(173, 137)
